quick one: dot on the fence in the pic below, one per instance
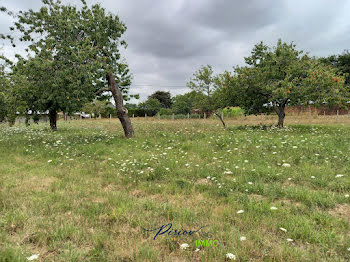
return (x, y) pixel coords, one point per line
(292, 117)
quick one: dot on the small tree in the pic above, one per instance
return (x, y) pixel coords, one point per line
(226, 92)
(280, 76)
(203, 81)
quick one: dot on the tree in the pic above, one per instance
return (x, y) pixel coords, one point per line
(12, 99)
(95, 107)
(341, 63)
(151, 106)
(163, 97)
(82, 46)
(225, 94)
(279, 76)
(203, 81)
(182, 104)
(3, 106)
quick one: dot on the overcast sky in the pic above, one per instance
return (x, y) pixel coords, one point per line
(170, 39)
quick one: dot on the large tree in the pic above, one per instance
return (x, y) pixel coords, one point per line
(281, 75)
(151, 106)
(82, 46)
(163, 97)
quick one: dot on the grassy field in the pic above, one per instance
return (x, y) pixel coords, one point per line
(85, 193)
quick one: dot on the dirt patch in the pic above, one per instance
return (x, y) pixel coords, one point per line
(202, 181)
(341, 211)
(136, 193)
(288, 202)
(257, 197)
(36, 183)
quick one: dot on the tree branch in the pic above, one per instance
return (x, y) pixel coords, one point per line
(99, 92)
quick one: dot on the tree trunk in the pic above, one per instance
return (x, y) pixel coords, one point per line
(281, 116)
(53, 119)
(122, 112)
(222, 120)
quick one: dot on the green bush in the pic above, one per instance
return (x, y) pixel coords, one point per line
(232, 111)
(165, 112)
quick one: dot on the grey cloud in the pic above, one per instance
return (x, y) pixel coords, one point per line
(169, 40)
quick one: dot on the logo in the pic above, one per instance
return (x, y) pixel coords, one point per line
(170, 231)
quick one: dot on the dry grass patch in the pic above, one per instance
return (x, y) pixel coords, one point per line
(341, 211)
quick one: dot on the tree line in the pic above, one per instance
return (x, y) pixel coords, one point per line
(73, 62)
(272, 78)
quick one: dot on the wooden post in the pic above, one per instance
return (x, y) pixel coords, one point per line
(188, 115)
(145, 115)
(222, 115)
(309, 113)
(100, 116)
(205, 116)
(133, 115)
(337, 114)
(158, 116)
(110, 116)
(173, 116)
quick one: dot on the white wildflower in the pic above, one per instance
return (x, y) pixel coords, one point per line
(184, 246)
(286, 165)
(33, 257)
(231, 256)
(283, 229)
(240, 211)
(242, 238)
(273, 208)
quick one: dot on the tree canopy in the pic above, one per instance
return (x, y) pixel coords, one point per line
(275, 77)
(73, 56)
(163, 97)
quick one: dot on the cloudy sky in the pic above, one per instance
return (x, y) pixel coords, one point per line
(169, 40)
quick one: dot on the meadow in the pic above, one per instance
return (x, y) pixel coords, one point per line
(85, 193)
